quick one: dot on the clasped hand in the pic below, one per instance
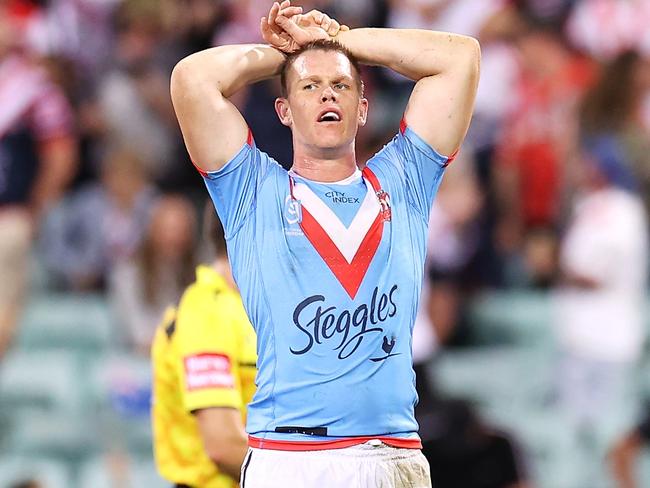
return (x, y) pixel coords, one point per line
(287, 29)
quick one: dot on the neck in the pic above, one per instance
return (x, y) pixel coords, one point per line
(325, 165)
(222, 266)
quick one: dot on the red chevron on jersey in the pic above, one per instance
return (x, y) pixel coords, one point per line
(347, 251)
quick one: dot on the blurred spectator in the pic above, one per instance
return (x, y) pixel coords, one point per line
(243, 24)
(453, 247)
(76, 30)
(462, 16)
(143, 287)
(134, 95)
(463, 451)
(626, 451)
(539, 139)
(37, 160)
(197, 22)
(370, 13)
(450, 245)
(599, 316)
(98, 225)
(499, 75)
(615, 107)
(607, 28)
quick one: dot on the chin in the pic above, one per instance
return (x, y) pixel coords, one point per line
(331, 147)
(331, 141)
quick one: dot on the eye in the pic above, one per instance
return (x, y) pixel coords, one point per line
(341, 86)
(310, 86)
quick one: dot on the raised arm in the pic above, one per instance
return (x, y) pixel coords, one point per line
(212, 127)
(445, 67)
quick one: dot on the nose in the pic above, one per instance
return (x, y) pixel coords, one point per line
(328, 95)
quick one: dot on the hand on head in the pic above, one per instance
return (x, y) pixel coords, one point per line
(286, 28)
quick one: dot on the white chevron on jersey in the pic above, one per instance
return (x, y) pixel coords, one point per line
(347, 239)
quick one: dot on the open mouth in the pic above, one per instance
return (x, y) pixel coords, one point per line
(330, 116)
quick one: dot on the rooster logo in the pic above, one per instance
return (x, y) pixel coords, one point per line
(387, 346)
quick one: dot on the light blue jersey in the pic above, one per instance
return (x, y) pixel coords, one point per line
(330, 275)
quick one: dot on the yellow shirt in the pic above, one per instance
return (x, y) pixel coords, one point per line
(203, 356)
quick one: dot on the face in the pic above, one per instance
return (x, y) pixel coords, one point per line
(324, 107)
(123, 178)
(172, 227)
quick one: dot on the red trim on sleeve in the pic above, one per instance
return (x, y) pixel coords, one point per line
(333, 444)
(249, 140)
(402, 125)
(451, 158)
(203, 173)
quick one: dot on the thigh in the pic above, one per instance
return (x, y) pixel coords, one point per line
(410, 471)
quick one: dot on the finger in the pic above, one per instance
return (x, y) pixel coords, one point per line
(291, 28)
(276, 38)
(273, 13)
(290, 12)
(330, 26)
(315, 15)
(267, 33)
(264, 28)
(285, 4)
(326, 23)
(345, 28)
(271, 19)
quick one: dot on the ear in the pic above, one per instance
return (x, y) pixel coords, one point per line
(283, 111)
(363, 111)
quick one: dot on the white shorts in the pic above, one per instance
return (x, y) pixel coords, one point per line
(370, 465)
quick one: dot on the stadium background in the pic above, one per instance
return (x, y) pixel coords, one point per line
(74, 383)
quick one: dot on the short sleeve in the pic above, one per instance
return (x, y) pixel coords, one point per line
(207, 353)
(413, 163)
(234, 187)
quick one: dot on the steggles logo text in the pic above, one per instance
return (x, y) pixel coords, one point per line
(348, 327)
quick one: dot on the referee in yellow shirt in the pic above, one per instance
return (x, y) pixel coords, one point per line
(204, 376)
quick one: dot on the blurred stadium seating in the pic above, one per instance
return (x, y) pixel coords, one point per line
(51, 474)
(70, 394)
(72, 322)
